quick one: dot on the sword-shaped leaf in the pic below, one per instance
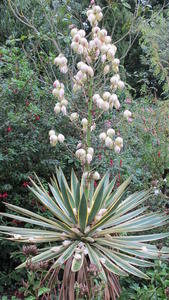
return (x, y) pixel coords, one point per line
(44, 256)
(77, 263)
(108, 264)
(96, 261)
(97, 199)
(67, 200)
(49, 203)
(82, 213)
(66, 254)
(75, 188)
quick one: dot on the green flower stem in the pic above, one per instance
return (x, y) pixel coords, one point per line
(89, 113)
(88, 134)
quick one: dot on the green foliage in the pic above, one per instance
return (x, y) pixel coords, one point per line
(157, 288)
(155, 56)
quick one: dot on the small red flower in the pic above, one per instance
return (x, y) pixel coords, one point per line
(128, 101)
(120, 163)
(111, 162)
(27, 103)
(1, 196)
(25, 184)
(100, 156)
(5, 195)
(95, 184)
(119, 176)
(37, 118)
(14, 222)
(159, 153)
(43, 208)
(118, 183)
(9, 129)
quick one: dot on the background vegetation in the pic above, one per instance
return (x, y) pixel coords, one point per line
(32, 32)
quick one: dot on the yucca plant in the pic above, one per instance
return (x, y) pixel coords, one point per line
(90, 226)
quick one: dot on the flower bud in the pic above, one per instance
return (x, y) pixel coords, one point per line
(80, 49)
(79, 145)
(57, 108)
(106, 69)
(127, 114)
(64, 69)
(109, 143)
(82, 33)
(91, 18)
(107, 39)
(106, 96)
(96, 97)
(90, 71)
(89, 158)
(114, 79)
(80, 153)
(56, 84)
(104, 49)
(74, 116)
(74, 46)
(53, 140)
(55, 92)
(61, 94)
(102, 136)
(99, 16)
(90, 150)
(63, 110)
(113, 98)
(121, 85)
(51, 132)
(119, 141)
(117, 149)
(105, 106)
(99, 102)
(103, 32)
(93, 127)
(117, 104)
(96, 176)
(110, 132)
(84, 122)
(61, 138)
(116, 62)
(73, 32)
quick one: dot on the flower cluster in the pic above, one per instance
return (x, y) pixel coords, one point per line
(91, 175)
(61, 62)
(79, 42)
(108, 101)
(99, 46)
(59, 92)
(116, 82)
(82, 75)
(54, 139)
(94, 15)
(85, 156)
(107, 139)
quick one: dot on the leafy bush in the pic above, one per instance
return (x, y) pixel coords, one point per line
(157, 288)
